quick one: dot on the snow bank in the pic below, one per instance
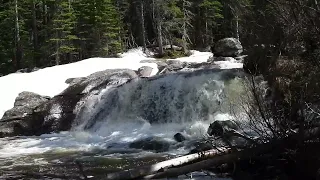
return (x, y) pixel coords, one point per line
(51, 81)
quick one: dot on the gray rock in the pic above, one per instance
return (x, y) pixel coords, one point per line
(145, 71)
(74, 80)
(228, 47)
(19, 120)
(176, 65)
(24, 105)
(35, 115)
(160, 64)
(151, 144)
(179, 137)
(61, 111)
(218, 128)
(201, 146)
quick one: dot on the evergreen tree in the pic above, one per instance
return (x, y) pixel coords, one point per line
(6, 37)
(109, 26)
(211, 10)
(63, 31)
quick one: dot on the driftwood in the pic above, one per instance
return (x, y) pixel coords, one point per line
(161, 166)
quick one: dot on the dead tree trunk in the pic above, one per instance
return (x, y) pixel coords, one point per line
(147, 170)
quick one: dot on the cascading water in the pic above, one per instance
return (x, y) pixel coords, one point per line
(161, 106)
(109, 121)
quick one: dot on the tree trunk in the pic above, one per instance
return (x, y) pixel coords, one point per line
(206, 30)
(237, 27)
(35, 35)
(184, 26)
(147, 170)
(57, 49)
(143, 31)
(18, 53)
(159, 28)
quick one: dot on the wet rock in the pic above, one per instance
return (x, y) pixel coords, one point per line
(145, 71)
(218, 128)
(179, 137)
(151, 144)
(228, 47)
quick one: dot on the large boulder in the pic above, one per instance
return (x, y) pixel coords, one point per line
(24, 104)
(35, 115)
(19, 120)
(228, 47)
(59, 113)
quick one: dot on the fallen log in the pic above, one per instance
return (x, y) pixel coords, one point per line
(209, 159)
(161, 166)
(215, 161)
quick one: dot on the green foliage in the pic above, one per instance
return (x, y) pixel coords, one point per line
(109, 22)
(63, 29)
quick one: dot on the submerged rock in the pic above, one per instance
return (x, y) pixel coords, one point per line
(151, 144)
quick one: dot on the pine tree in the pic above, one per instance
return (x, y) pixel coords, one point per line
(109, 26)
(7, 44)
(63, 31)
(212, 12)
(186, 22)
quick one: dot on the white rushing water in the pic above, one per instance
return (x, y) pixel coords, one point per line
(112, 119)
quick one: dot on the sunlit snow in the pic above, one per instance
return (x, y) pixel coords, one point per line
(51, 81)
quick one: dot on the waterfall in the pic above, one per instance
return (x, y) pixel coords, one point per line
(179, 98)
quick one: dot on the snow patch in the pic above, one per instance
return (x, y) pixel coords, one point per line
(50, 81)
